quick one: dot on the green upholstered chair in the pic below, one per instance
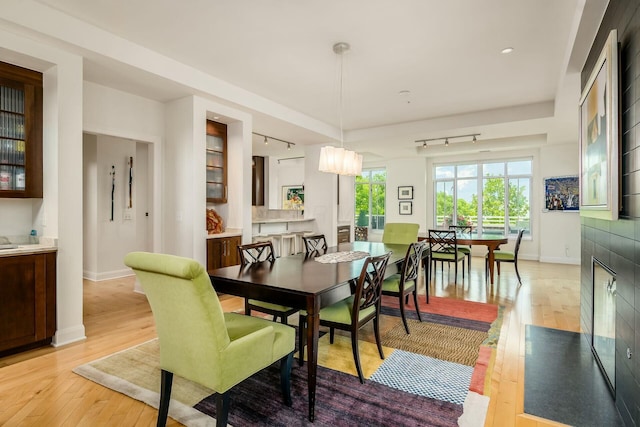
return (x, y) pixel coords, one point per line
(467, 229)
(352, 313)
(259, 252)
(198, 341)
(314, 244)
(506, 256)
(402, 284)
(443, 247)
(400, 233)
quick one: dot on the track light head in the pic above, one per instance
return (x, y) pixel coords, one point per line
(446, 142)
(265, 141)
(424, 144)
(474, 139)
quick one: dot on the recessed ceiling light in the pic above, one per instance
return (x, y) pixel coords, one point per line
(507, 50)
(216, 117)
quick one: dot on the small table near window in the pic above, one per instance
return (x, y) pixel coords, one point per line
(490, 240)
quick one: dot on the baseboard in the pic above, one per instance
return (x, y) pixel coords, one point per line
(68, 336)
(560, 260)
(107, 275)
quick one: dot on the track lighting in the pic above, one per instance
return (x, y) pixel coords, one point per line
(266, 140)
(447, 138)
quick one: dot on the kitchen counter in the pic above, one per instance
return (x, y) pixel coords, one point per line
(280, 220)
(229, 232)
(27, 250)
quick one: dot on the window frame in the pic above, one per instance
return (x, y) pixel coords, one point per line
(480, 178)
(368, 173)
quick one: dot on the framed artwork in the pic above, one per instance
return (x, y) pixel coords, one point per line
(599, 137)
(293, 197)
(405, 192)
(406, 208)
(562, 193)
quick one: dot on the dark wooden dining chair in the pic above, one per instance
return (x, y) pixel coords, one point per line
(402, 284)
(353, 312)
(465, 249)
(506, 256)
(315, 243)
(443, 247)
(262, 252)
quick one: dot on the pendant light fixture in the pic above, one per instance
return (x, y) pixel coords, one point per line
(336, 159)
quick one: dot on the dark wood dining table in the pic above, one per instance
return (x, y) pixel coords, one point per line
(491, 240)
(301, 282)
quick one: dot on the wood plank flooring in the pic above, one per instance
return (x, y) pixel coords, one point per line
(38, 388)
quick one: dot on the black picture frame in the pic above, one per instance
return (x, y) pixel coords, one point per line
(406, 208)
(405, 192)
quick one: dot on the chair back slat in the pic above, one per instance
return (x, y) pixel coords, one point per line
(412, 260)
(462, 228)
(443, 241)
(256, 252)
(518, 241)
(315, 243)
(369, 285)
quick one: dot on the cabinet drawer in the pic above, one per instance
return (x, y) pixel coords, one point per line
(344, 234)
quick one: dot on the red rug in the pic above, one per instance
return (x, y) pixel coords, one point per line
(471, 310)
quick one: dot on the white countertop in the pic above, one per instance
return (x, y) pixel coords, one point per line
(229, 232)
(280, 220)
(27, 250)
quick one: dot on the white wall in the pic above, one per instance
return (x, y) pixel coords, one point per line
(90, 204)
(281, 173)
(111, 112)
(559, 231)
(320, 196)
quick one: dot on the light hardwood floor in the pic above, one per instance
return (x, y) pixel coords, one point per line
(37, 388)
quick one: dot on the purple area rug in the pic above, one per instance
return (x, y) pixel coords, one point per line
(340, 401)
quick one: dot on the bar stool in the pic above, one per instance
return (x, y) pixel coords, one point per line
(267, 238)
(292, 239)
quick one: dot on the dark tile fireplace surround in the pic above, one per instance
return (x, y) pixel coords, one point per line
(616, 244)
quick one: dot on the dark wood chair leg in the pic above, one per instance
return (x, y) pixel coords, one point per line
(415, 301)
(222, 409)
(301, 337)
(376, 330)
(517, 272)
(166, 380)
(285, 378)
(404, 318)
(247, 310)
(332, 334)
(356, 354)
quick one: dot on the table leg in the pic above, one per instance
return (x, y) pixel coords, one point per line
(313, 326)
(491, 257)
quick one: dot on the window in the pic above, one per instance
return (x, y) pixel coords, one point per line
(370, 198)
(490, 196)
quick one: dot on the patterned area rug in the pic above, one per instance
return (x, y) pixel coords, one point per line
(412, 386)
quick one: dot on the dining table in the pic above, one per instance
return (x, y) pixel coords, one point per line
(491, 240)
(299, 281)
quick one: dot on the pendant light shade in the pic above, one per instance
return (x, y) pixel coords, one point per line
(338, 160)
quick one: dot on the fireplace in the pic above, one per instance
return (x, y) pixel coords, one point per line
(603, 339)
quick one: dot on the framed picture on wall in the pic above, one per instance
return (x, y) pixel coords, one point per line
(561, 193)
(405, 192)
(599, 137)
(293, 197)
(406, 208)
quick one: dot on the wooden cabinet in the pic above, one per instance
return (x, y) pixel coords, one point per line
(27, 301)
(257, 181)
(222, 252)
(344, 234)
(216, 162)
(20, 132)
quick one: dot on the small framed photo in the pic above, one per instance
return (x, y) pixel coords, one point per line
(406, 208)
(405, 193)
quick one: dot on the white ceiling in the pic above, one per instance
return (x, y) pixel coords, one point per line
(447, 54)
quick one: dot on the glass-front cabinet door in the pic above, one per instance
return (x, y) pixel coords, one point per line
(20, 132)
(216, 162)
